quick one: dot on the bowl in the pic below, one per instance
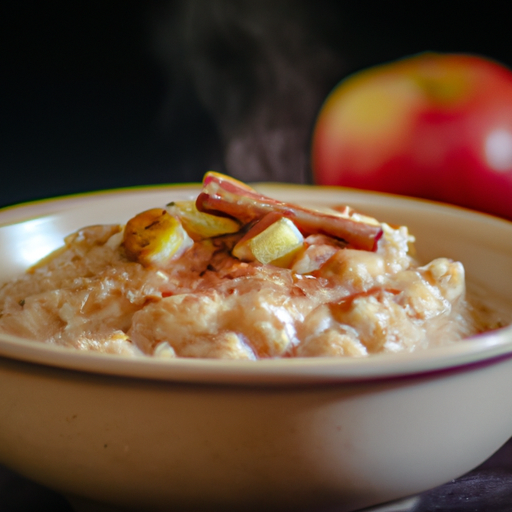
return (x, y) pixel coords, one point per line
(110, 432)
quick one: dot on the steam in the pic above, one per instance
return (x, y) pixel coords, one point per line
(262, 71)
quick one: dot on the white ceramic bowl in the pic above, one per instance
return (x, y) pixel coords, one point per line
(276, 434)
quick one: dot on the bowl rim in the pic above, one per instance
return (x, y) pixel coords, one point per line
(466, 355)
(486, 348)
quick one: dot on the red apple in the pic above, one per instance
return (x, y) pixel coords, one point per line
(437, 126)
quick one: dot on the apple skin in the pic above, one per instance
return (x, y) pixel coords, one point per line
(436, 126)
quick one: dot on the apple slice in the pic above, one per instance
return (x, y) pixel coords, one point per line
(200, 225)
(273, 240)
(153, 238)
(224, 195)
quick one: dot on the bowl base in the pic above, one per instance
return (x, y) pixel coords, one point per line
(401, 505)
(84, 505)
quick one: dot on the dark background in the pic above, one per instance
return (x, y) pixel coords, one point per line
(104, 94)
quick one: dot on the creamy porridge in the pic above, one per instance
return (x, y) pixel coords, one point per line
(234, 274)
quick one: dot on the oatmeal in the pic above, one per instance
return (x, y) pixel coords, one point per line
(238, 275)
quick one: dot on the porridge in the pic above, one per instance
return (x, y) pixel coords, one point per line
(235, 274)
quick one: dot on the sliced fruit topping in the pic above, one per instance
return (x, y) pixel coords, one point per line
(154, 238)
(274, 239)
(200, 225)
